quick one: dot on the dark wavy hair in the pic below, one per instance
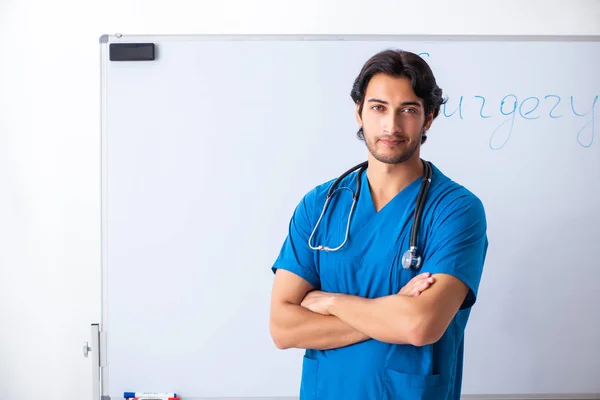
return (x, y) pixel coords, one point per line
(400, 63)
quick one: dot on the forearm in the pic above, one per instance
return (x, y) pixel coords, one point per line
(391, 319)
(293, 326)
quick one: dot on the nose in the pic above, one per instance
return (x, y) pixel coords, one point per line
(391, 123)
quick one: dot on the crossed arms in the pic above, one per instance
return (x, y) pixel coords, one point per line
(418, 315)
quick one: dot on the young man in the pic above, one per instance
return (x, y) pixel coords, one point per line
(371, 328)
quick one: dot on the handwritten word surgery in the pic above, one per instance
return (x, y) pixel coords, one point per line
(510, 108)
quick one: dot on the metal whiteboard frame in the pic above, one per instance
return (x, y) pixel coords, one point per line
(118, 37)
(106, 39)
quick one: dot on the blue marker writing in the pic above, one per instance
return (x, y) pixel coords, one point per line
(511, 119)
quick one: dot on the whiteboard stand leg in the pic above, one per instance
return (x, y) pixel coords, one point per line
(95, 350)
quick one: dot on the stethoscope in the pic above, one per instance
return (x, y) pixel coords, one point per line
(410, 258)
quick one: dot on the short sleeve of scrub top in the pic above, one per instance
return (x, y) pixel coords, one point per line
(295, 255)
(458, 243)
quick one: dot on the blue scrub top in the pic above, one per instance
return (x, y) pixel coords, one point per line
(452, 240)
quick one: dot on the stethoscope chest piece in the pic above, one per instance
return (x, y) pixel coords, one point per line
(410, 259)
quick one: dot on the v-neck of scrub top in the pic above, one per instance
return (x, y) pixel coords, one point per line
(366, 206)
(369, 224)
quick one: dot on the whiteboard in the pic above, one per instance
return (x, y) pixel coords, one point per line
(207, 149)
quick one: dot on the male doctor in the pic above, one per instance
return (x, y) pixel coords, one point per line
(371, 328)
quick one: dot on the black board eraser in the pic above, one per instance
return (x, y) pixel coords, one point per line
(131, 51)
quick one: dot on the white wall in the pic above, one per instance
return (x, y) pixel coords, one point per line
(49, 143)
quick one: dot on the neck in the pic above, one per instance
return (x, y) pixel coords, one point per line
(386, 180)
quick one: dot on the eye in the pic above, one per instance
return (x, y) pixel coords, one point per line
(410, 110)
(377, 108)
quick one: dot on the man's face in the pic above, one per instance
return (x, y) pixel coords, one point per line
(393, 119)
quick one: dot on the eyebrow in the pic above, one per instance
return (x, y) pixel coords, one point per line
(404, 104)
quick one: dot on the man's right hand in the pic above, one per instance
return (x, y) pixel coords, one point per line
(418, 284)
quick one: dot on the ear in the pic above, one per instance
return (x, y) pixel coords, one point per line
(428, 122)
(358, 117)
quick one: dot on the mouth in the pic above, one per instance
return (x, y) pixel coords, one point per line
(392, 142)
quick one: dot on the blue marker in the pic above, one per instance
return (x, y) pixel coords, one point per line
(149, 395)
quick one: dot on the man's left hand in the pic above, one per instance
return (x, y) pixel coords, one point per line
(318, 302)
